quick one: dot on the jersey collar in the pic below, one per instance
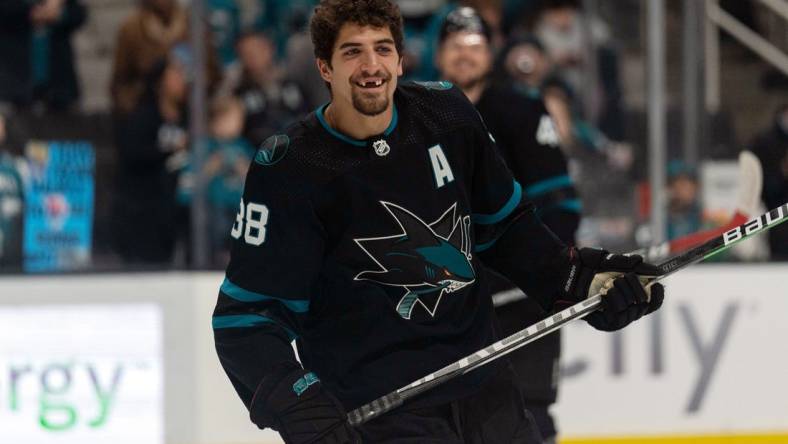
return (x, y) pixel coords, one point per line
(321, 118)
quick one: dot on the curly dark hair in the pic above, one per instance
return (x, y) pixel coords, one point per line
(330, 15)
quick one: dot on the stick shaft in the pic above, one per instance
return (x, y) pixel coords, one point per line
(558, 320)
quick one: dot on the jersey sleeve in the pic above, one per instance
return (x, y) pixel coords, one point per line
(510, 237)
(276, 255)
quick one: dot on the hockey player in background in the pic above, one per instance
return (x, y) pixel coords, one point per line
(529, 142)
(366, 233)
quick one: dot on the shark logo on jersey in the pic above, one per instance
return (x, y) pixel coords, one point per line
(427, 260)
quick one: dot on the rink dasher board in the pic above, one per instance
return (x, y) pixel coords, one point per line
(712, 361)
(201, 407)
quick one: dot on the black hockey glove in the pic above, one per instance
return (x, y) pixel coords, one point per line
(296, 405)
(625, 300)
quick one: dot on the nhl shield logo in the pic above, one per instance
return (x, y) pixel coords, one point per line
(381, 147)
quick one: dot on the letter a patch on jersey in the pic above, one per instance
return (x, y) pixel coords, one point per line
(426, 260)
(440, 166)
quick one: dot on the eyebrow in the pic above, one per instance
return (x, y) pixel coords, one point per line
(355, 44)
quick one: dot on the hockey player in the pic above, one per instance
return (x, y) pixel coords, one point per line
(365, 233)
(529, 142)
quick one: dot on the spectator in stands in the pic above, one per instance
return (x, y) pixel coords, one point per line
(152, 150)
(143, 39)
(518, 15)
(282, 18)
(525, 61)
(270, 100)
(228, 158)
(421, 22)
(12, 134)
(771, 147)
(224, 20)
(225, 171)
(564, 30)
(11, 198)
(36, 57)
(684, 211)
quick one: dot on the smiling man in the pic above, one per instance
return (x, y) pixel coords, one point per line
(364, 234)
(529, 143)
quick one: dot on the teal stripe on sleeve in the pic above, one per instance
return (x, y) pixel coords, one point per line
(481, 247)
(246, 321)
(547, 185)
(240, 294)
(569, 205)
(511, 204)
(573, 205)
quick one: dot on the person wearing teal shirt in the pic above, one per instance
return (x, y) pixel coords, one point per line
(224, 19)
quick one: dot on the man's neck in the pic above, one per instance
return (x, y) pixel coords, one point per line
(345, 119)
(474, 92)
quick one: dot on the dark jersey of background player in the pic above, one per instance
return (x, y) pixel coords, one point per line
(528, 140)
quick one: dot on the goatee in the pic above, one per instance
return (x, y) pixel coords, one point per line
(370, 106)
(470, 83)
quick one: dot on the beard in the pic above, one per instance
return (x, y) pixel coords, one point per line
(469, 82)
(369, 104)
(466, 81)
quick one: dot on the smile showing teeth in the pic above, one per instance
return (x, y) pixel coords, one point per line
(370, 84)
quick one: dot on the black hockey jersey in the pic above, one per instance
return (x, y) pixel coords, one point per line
(367, 252)
(530, 144)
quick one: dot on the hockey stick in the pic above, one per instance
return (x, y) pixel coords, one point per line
(650, 254)
(748, 197)
(558, 320)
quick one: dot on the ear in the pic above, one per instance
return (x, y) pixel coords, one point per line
(399, 66)
(324, 70)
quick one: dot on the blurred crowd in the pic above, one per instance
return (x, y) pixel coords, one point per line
(260, 77)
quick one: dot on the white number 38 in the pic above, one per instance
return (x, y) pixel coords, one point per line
(256, 220)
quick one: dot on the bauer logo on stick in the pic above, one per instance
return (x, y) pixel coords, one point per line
(765, 220)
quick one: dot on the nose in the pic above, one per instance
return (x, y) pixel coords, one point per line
(370, 62)
(466, 50)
